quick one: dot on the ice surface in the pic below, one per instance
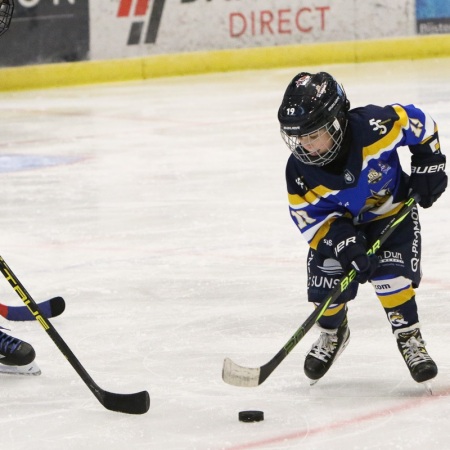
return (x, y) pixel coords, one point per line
(158, 211)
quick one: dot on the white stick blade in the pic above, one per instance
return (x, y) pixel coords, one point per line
(240, 376)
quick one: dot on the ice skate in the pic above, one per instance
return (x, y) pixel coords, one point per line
(16, 356)
(412, 348)
(325, 351)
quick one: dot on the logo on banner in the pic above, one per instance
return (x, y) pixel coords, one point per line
(147, 15)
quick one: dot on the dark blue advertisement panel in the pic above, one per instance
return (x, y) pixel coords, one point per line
(433, 16)
(46, 31)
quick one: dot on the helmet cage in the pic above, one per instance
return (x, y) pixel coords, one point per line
(6, 11)
(335, 133)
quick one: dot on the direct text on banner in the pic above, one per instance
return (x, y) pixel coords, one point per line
(280, 21)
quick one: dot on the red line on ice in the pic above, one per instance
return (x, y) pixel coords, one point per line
(302, 434)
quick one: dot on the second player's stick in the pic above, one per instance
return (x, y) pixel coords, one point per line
(50, 308)
(136, 403)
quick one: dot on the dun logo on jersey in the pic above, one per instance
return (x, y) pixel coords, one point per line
(145, 28)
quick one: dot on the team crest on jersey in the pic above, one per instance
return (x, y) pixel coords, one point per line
(374, 176)
(349, 177)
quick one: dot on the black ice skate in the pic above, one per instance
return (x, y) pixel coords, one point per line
(325, 351)
(412, 348)
(16, 356)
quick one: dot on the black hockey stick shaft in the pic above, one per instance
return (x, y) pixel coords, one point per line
(244, 376)
(136, 403)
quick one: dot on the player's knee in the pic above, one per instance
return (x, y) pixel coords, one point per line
(393, 291)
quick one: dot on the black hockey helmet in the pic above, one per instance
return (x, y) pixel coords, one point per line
(313, 103)
(6, 11)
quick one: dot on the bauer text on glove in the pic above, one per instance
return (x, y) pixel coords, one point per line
(428, 178)
(351, 253)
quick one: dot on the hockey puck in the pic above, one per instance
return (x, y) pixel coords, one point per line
(251, 416)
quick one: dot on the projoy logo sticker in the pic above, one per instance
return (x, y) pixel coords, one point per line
(144, 29)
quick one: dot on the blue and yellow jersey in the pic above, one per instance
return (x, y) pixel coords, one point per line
(371, 183)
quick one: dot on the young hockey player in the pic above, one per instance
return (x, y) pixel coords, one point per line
(16, 356)
(345, 183)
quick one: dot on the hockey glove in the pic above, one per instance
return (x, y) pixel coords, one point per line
(351, 252)
(428, 178)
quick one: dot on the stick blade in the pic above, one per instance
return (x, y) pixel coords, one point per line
(49, 308)
(57, 306)
(137, 403)
(237, 375)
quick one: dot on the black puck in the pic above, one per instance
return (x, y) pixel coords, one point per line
(251, 416)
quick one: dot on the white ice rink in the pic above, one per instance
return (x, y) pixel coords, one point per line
(158, 210)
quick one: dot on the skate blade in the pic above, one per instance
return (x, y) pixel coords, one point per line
(428, 386)
(29, 369)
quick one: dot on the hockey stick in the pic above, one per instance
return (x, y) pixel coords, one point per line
(50, 308)
(237, 375)
(137, 403)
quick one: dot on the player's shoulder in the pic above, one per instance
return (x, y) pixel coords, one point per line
(370, 122)
(368, 113)
(294, 169)
(300, 178)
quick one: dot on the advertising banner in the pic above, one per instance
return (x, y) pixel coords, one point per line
(134, 28)
(46, 31)
(433, 16)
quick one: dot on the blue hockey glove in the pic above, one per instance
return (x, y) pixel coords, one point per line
(428, 178)
(351, 252)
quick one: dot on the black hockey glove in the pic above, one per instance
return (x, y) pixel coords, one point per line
(351, 252)
(428, 178)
